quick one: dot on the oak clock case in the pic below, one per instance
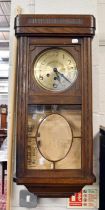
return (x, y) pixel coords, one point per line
(54, 106)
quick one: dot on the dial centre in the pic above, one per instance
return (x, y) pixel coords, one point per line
(55, 69)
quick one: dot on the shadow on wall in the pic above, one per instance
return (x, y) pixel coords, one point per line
(96, 152)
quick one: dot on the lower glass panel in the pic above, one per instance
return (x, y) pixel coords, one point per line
(54, 137)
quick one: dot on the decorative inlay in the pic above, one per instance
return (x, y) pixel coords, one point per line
(41, 21)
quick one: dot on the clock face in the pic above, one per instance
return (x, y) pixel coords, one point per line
(3, 110)
(55, 70)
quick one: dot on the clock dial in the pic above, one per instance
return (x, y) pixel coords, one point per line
(55, 70)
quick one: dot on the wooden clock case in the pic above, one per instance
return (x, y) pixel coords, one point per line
(36, 33)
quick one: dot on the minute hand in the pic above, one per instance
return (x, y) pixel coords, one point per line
(64, 77)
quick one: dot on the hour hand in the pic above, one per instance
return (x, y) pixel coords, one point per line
(62, 75)
(57, 74)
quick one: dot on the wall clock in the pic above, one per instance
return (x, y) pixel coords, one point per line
(54, 103)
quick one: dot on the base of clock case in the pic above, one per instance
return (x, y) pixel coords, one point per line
(60, 189)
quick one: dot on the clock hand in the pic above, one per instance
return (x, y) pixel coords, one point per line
(62, 75)
(66, 78)
(56, 72)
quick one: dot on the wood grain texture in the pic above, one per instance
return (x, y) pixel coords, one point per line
(78, 25)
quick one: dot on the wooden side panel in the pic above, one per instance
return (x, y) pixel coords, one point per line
(22, 88)
(87, 108)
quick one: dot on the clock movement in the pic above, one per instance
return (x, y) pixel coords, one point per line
(54, 155)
